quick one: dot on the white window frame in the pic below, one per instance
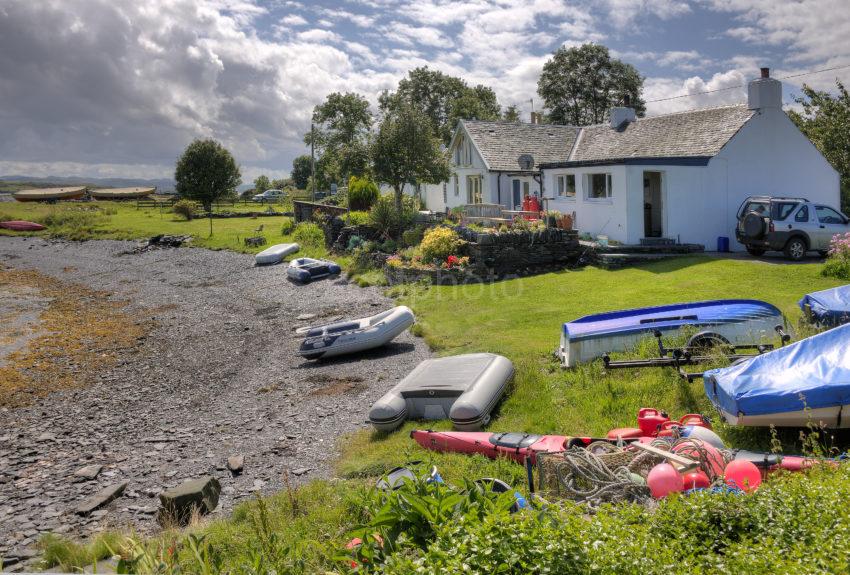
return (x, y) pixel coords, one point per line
(474, 190)
(456, 185)
(561, 186)
(609, 187)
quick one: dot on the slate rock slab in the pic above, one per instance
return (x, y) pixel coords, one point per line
(88, 472)
(101, 498)
(179, 502)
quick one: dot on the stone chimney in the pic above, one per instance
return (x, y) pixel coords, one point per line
(764, 92)
(622, 115)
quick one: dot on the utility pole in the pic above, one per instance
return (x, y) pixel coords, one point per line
(312, 162)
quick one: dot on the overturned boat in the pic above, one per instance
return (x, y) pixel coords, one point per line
(805, 382)
(829, 307)
(121, 193)
(275, 254)
(305, 270)
(355, 335)
(464, 388)
(732, 321)
(50, 194)
(21, 226)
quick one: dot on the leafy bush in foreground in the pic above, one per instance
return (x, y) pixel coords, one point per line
(185, 208)
(309, 234)
(838, 263)
(362, 193)
(439, 243)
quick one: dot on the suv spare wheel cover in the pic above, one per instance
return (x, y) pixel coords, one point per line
(754, 225)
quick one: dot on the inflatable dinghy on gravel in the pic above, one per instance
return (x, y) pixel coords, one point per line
(463, 388)
(275, 254)
(305, 270)
(355, 335)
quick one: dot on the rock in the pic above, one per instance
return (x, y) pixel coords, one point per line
(235, 464)
(47, 436)
(305, 316)
(300, 471)
(179, 502)
(88, 472)
(101, 498)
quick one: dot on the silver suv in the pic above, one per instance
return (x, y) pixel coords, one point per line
(790, 225)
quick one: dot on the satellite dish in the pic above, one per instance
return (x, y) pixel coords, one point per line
(526, 162)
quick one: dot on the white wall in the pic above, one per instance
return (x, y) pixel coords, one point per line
(595, 217)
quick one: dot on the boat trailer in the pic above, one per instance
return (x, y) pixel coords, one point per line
(680, 356)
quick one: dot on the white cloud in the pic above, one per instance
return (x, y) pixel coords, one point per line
(624, 13)
(415, 35)
(362, 20)
(726, 88)
(319, 35)
(293, 20)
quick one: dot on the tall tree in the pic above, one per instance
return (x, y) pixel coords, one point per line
(343, 123)
(206, 172)
(825, 119)
(579, 85)
(443, 99)
(301, 171)
(511, 114)
(262, 183)
(406, 151)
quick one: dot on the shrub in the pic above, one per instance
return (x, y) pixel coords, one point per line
(186, 208)
(439, 244)
(838, 262)
(309, 234)
(384, 216)
(71, 223)
(362, 193)
(288, 227)
(412, 237)
(358, 218)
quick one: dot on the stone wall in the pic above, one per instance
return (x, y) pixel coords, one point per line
(304, 210)
(521, 252)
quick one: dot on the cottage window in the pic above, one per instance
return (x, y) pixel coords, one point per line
(599, 187)
(456, 185)
(567, 186)
(473, 190)
(445, 192)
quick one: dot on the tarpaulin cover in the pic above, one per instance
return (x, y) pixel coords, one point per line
(830, 306)
(818, 368)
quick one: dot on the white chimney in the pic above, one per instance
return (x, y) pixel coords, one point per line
(764, 92)
(621, 116)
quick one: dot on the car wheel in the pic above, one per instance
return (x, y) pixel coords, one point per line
(795, 249)
(755, 251)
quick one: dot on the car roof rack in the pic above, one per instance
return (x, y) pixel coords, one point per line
(797, 199)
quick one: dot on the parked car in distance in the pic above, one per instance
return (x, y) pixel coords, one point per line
(790, 225)
(268, 196)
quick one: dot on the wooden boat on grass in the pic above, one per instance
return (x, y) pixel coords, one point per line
(122, 193)
(50, 194)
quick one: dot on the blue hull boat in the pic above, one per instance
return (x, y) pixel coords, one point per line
(731, 321)
(807, 381)
(829, 308)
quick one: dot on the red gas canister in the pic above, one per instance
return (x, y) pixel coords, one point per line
(649, 420)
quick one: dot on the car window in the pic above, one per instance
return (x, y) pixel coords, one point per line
(802, 214)
(760, 207)
(828, 215)
(781, 210)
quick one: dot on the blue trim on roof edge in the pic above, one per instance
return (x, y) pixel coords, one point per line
(672, 161)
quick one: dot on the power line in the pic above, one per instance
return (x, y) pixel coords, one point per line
(742, 85)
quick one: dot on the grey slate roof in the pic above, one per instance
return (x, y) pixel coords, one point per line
(696, 133)
(502, 143)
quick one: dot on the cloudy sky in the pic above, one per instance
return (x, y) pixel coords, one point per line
(120, 87)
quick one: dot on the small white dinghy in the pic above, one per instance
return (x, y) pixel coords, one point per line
(275, 254)
(355, 335)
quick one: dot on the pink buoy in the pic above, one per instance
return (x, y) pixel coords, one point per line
(696, 479)
(711, 460)
(663, 479)
(742, 474)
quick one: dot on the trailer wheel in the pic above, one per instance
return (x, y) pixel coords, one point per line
(706, 341)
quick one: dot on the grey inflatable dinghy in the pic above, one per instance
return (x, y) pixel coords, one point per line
(355, 335)
(275, 254)
(463, 388)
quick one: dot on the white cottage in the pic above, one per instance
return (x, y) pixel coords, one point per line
(484, 162)
(684, 175)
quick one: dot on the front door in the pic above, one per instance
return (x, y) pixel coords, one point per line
(653, 214)
(517, 195)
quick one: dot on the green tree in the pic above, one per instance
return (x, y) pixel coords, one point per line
(511, 114)
(825, 119)
(205, 173)
(342, 126)
(443, 99)
(580, 85)
(406, 151)
(301, 172)
(281, 184)
(261, 184)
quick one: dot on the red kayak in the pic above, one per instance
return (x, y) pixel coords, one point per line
(516, 446)
(22, 226)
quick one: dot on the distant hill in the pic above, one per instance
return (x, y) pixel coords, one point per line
(160, 184)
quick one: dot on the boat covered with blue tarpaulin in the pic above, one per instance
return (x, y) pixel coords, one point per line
(829, 307)
(807, 381)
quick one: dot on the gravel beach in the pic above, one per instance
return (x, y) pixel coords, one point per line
(216, 376)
